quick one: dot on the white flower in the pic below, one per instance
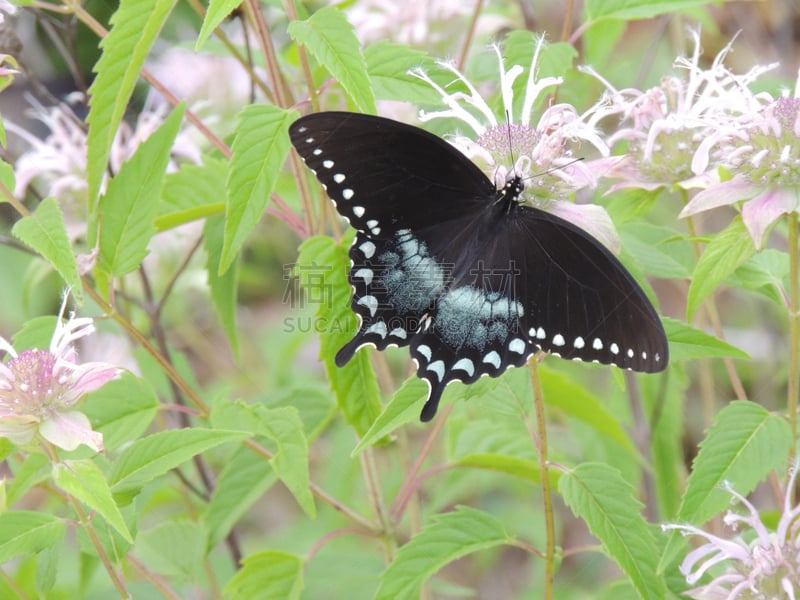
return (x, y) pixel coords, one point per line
(539, 151)
(39, 389)
(758, 563)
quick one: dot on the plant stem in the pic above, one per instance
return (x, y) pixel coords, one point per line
(540, 439)
(794, 332)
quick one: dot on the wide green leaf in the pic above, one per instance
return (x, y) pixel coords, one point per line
(135, 26)
(128, 208)
(449, 537)
(175, 547)
(242, 481)
(193, 192)
(154, 455)
(742, 446)
(403, 408)
(600, 496)
(388, 65)
(725, 253)
(331, 40)
(46, 233)
(259, 149)
(269, 575)
(83, 480)
(27, 532)
(687, 343)
(636, 9)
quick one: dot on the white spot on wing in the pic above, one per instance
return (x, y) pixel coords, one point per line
(438, 368)
(558, 340)
(338, 177)
(517, 345)
(425, 351)
(367, 249)
(540, 334)
(371, 302)
(493, 358)
(327, 164)
(398, 332)
(630, 353)
(597, 344)
(364, 274)
(359, 211)
(347, 193)
(378, 328)
(466, 365)
(579, 343)
(317, 151)
(614, 348)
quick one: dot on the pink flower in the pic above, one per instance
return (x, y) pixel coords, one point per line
(755, 564)
(762, 152)
(672, 129)
(538, 151)
(39, 389)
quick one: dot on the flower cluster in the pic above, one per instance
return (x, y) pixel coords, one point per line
(758, 563)
(39, 389)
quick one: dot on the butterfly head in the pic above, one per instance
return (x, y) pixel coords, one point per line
(511, 193)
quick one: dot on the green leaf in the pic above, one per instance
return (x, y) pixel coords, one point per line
(259, 151)
(578, 402)
(388, 65)
(449, 537)
(766, 273)
(403, 408)
(174, 548)
(283, 427)
(193, 192)
(129, 207)
(742, 446)
(636, 9)
(27, 532)
(45, 232)
(726, 252)
(331, 40)
(217, 12)
(7, 178)
(323, 266)
(135, 26)
(600, 496)
(687, 343)
(224, 288)
(154, 455)
(33, 470)
(242, 481)
(84, 480)
(269, 575)
(122, 409)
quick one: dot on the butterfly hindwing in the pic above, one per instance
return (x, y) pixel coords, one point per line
(471, 280)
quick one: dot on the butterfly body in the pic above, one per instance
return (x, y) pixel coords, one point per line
(466, 275)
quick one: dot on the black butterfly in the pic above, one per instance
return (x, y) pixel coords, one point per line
(463, 273)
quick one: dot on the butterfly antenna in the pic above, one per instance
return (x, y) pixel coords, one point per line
(551, 169)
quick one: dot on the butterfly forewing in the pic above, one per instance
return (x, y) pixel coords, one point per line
(470, 279)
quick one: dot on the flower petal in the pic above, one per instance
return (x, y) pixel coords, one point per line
(723, 194)
(591, 218)
(68, 430)
(762, 211)
(86, 378)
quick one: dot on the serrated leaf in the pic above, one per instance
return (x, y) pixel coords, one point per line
(636, 9)
(217, 12)
(259, 151)
(224, 288)
(46, 233)
(355, 384)
(331, 40)
(403, 408)
(449, 537)
(285, 429)
(726, 252)
(600, 496)
(127, 211)
(135, 26)
(742, 446)
(766, 273)
(83, 480)
(27, 532)
(173, 548)
(242, 481)
(270, 575)
(154, 455)
(686, 343)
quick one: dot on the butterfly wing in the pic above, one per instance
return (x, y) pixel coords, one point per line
(524, 282)
(471, 289)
